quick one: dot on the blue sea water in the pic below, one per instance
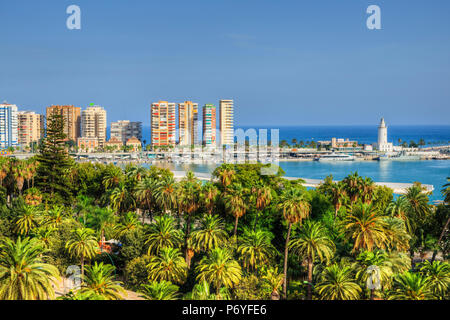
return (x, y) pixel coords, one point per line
(432, 172)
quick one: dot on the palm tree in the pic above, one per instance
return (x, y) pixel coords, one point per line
(438, 274)
(100, 281)
(188, 202)
(263, 197)
(145, 190)
(417, 203)
(366, 227)
(210, 234)
(313, 243)
(163, 235)
(446, 191)
(23, 274)
(235, 203)
(82, 245)
(43, 234)
(128, 222)
(295, 208)
(396, 234)
(273, 280)
(353, 186)
(28, 219)
(169, 265)
(55, 216)
(113, 177)
(411, 286)
(226, 175)
(383, 271)
(398, 208)
(337, 284)
(163, 290)
(83, 206)
(337, 193)
(121, 199)
(136, 173)
(255, 249)
(220, 269)
(19, 173)
(367, 187)
(165, 193)
(4, 169)
(201, 291)
(209, 195)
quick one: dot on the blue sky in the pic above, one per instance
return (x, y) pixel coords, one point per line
(283, 62)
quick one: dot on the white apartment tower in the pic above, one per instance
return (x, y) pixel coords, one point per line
(8, 125)
(93, 124)
(226, 115)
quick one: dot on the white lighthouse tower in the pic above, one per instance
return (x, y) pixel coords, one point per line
(383, 144)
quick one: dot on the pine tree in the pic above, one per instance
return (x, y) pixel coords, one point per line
(54, 162)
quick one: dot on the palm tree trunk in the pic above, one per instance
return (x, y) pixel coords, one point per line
(188, 231)
(235, 225)
(310, 271)
(372, 294)
(256, 220)
(440, 239)
(286, 261)
(82, 268)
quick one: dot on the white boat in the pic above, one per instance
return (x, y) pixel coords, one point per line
(336, 157)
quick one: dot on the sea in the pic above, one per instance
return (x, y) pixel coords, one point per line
(433, 172)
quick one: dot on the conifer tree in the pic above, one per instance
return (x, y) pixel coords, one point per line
(54, 162)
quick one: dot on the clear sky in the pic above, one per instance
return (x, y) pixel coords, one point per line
(283, 62)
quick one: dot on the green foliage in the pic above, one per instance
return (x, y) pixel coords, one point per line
(54, 163)
(136, 272)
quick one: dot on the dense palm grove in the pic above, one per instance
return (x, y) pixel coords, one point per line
(241, 236)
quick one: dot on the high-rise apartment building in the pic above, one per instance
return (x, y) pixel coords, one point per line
(8, 125)
(124, 130)
(162, 120)
(30, 127)
(72, 120)
(226, 122)
(93, 124)
(209, 125)
(188, 123)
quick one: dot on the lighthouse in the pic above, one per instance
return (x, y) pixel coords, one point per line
(383, 144)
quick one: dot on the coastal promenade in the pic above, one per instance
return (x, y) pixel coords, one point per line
(397, 187)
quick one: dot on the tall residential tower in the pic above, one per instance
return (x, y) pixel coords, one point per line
(188, 123)
(8, 125)
(72, 120)
(30, 127)
(162, 120)
(226, 122)
(209, 125)
(93, 124)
